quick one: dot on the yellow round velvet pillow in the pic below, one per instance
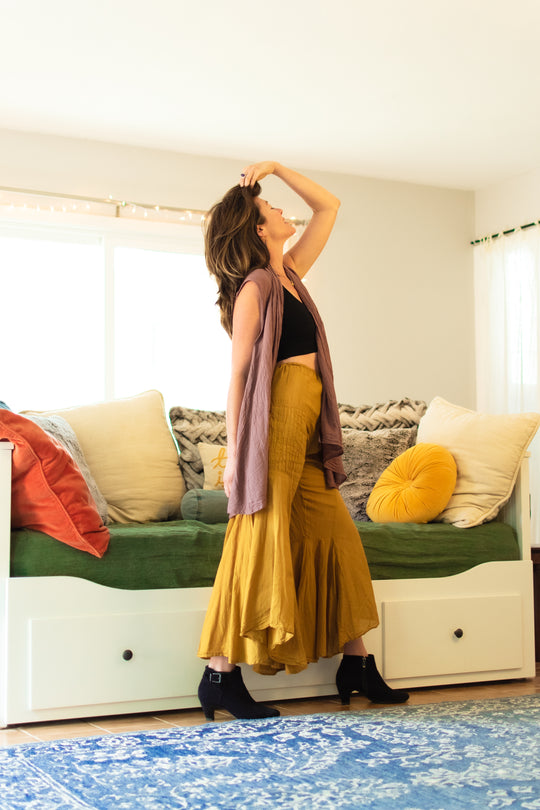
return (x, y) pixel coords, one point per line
(415, 487)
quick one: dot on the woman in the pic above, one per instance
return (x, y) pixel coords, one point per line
(293, 583)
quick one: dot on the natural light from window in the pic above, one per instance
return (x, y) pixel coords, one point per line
(87, 316)
(52, 322)
(168, 333)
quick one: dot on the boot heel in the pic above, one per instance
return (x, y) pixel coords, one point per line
(344, 690)
(345, 698)
(209, 712)
(207, 698)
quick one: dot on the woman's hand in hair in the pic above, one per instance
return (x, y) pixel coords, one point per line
(256, 171)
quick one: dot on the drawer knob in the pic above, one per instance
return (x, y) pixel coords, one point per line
(127, 655)
(458, 633)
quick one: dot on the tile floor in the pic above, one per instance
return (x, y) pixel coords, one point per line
(34, 732)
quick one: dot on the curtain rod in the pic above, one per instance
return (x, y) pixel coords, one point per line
(504, 233)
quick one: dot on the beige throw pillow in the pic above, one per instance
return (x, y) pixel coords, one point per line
(488, 451)
(214, 459)
(131, 452)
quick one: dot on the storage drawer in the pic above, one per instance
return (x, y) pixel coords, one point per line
(83, 660)
(451, 636)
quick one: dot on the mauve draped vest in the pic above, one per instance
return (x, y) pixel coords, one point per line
(249, 485)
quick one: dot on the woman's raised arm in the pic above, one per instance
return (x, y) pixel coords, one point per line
(321, 201)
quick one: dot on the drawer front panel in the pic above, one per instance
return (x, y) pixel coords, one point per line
(84, 660)
(452, 636)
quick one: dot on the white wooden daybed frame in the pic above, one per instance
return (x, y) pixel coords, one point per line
(70, 648)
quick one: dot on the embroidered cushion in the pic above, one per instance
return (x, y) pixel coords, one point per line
(191, 427)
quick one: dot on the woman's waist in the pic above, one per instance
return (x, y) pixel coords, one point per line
(297, 383)
(310, 361)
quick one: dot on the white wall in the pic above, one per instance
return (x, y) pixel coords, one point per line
(510, 204)
(394, 285)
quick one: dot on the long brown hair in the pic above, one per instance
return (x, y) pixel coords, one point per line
(232, 245)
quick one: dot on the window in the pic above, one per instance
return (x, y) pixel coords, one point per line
(106, 311)
(52, 320)
(168, 333)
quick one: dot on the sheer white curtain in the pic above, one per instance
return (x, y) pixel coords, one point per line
(507, 295)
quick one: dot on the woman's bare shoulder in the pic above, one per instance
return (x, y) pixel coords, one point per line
(261, 278)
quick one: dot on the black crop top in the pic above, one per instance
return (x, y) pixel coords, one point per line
(298, 330)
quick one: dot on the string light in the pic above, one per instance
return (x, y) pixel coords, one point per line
(26, 200)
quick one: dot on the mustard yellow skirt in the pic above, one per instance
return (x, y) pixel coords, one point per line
(293, 584)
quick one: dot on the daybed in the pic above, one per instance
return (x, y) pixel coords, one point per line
(72, 647)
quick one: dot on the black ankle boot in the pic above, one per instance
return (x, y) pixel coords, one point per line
(226, 690)
(358, 673)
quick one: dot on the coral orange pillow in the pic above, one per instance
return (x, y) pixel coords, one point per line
(415, 487)
(49, 493)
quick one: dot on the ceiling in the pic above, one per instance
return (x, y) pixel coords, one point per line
(425, 91)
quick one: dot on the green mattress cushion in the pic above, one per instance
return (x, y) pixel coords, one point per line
(186, 553)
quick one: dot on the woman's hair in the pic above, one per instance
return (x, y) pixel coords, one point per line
(233, 247)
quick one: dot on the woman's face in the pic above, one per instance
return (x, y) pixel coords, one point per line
(275, 226)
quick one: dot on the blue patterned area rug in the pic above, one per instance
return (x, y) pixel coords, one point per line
(436, 757)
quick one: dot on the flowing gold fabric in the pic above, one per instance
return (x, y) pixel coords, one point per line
(293, 584)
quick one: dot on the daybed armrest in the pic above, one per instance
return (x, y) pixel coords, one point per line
(517, 511)
(6, 449)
